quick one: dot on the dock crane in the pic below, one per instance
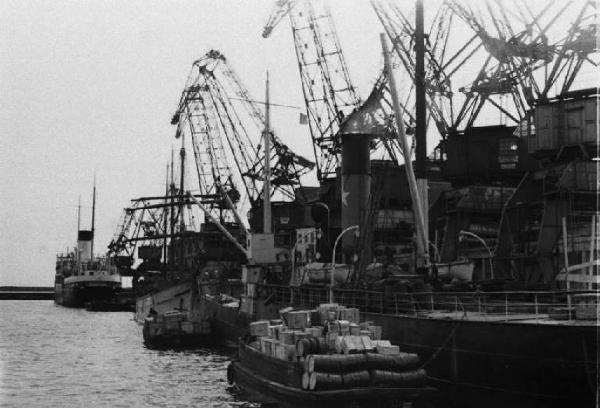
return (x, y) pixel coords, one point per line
(225, 126)
(445, 54)
(217, 116)
(328, 92)
(528, 56)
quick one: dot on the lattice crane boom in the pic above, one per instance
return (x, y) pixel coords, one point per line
(328, 92)
(442, 59)
(529, 61)
(225, 126)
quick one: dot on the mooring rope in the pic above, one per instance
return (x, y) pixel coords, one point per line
(435, 354)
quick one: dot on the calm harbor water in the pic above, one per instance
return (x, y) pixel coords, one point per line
(53, 356)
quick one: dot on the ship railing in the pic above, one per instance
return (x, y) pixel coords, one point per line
(474, 305)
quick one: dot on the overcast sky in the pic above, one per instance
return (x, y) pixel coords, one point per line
(90, 86)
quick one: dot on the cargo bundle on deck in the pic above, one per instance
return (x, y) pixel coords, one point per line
(326, 357)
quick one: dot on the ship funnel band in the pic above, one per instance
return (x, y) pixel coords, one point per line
(85, 235)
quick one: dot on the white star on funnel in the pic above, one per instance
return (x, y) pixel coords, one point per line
(345, 195)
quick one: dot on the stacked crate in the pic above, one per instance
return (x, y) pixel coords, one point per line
(329, 328)
(334, 350)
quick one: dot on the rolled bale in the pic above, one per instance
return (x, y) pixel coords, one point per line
(305, 380)
(303, 347)
(319, 345)
(414, 378)
(300, 348)
(312, 381)
(309, 364)
(354, 362)
(326, 381)
(356, 379)
(392, 362)
(311, 346)
(336, 363)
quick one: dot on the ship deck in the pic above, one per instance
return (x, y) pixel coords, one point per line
(552, 308)
(524, 318)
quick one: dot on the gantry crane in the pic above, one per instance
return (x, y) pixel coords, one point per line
(328, 92)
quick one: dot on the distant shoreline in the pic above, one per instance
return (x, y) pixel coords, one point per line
(26, 288)
(26, 293)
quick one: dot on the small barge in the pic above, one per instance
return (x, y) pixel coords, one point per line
(175, 330)
(299, 364)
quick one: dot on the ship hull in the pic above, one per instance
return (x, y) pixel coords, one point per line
(227, 324)
(270, 380)
(481, 363)
(80, 293)
(500, 364)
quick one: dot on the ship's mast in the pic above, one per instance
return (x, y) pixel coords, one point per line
(171, 216)
(93, 218)
(166, 216)
(267, 170)
(406, 151)
(78, 228)
(78, 215)
(421, 129)
(181, 183)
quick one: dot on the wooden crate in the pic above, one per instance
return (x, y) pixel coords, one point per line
(259, 328)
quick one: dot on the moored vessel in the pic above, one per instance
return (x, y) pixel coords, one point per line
(80, 277)
(332, 363)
